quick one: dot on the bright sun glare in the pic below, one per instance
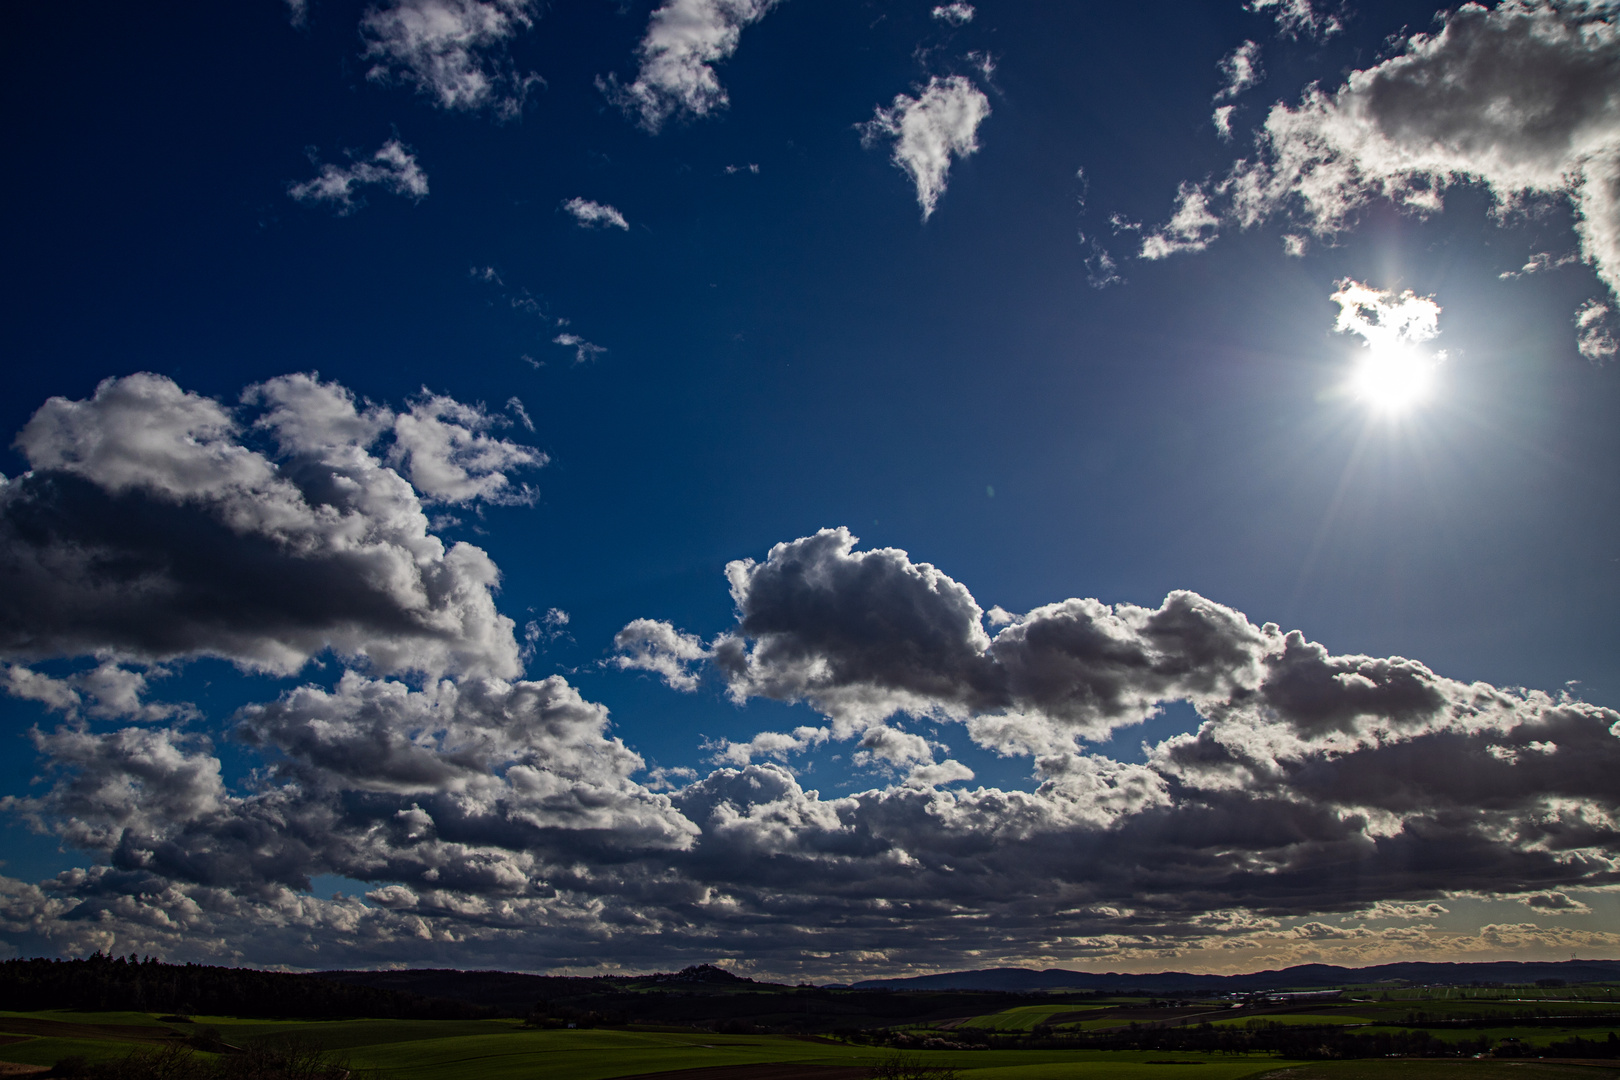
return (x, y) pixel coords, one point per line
(1393, 373)
(1393, 380)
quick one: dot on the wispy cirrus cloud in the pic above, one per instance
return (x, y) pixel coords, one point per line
(393, 168)
(584, 351)
(939, 124)
(684, 39)
(594, 214)
(1309, 19)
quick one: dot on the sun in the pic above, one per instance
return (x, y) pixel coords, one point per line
(1392, 379)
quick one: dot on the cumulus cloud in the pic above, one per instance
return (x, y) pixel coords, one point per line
(684, 38)
(148, 529)
(393, 169)
(501, 821)
(470, 786)
(929, 130)
(1518, 98)
(107, 690)
(594, 214)
(453, 51)
(864, 635)
(651, 645)
(443, 447)
(1298, 18)
(957, 14)
(769, 744)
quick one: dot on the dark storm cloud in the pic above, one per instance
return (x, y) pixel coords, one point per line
(147, 528)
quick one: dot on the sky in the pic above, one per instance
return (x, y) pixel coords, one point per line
(836, 489)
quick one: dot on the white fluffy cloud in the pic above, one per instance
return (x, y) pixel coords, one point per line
(684, 38)
(941, 123)
(500, 821)
(594, 214)
(392, 168)
(651, 645)
(453, 51)
(147, 529)
(107, 690)
(443, 447)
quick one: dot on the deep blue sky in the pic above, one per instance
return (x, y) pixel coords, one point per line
(794, 348)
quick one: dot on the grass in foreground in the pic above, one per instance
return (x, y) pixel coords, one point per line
(1439, 1070)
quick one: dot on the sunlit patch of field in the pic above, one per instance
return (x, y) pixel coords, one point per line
(1025, 1017)
(1295, 1019)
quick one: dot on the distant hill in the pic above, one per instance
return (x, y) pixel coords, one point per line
(1303, 977)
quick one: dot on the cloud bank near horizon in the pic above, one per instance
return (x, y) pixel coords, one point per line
(498, 818)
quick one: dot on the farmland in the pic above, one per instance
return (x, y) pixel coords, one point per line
(707, 1024)
(507, 1049)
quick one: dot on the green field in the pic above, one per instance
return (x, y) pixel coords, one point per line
(1297, 1019)
(1024, 1017)
(505, 1050)
(1439, 1070)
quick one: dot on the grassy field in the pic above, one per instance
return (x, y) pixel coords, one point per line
(505, 1050)
(1024, 1017)
(1297, 1019)
(1439, 1070)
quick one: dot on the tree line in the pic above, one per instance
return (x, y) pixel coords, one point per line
(102, 983)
